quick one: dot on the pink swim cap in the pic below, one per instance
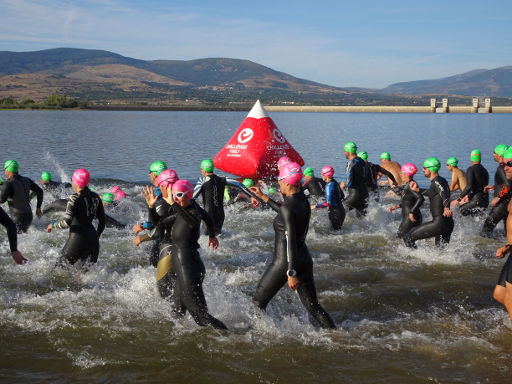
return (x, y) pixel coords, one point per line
(81, 177)
(118, 192)
(183, 186)
(291, 173)
(328, 171)
(282, 161)
(409, 169)
(167, 177)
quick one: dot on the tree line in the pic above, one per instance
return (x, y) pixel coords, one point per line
(53, 101)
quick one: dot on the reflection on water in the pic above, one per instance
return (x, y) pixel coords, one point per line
(404, 316)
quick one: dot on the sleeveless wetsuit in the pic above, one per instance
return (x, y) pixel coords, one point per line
(333, 200)
(184, 228)
(10, 227)
(315, 186)
(440, 227)
(16, 191)
(83, 242)
(291, 253)
(499, 212)
(357, 176)
(477, 178)
(410, 203)
(211, 189)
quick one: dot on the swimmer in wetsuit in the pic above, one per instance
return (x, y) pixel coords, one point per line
(49, 185)
(441, 226)
(502, 187)
(211, 187)
(292, 262)
(184, 228)
(503, 289)
(375, 171)
(477, 179)
(161, 207)
(333, 198)
(410, 203)
(83, 207)
(108, 199)
(355, 183)
(12, 236)
(315, 186)
(165, 277)
(16, 191)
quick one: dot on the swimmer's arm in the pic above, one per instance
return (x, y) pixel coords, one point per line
(273, 204)
(419, 201)
(100, 214)
(6, 191)
(10, 227)
(198, 187)
(208, 221)
(70, 212)
(159, 229)
(290, 233)
(385, 172)
(39, 192)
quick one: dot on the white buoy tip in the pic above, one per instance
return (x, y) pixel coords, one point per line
(257, 111)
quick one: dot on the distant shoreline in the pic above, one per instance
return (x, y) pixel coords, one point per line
(273, 108)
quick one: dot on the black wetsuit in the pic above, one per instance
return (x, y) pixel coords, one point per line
(506, 272)
(291, 253)
(440, 227)
(477, 178)
(16, 191)
(502, 188)
(10, 227)
(83, 242)
(410, 203)
(315, 186)
(333, 200)
(184, 228)
(357, 176)
(60, 205)
(372, 177)
(165, 276)
(211, 189)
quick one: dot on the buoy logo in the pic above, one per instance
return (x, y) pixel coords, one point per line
(245, 135)
(278, 136)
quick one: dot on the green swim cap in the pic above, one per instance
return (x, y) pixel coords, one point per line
(11, 166)
(157, 167)
(385, 156)
(207, 165)
(308, 172)
(46, 176)
(475, 155)
(508, 153)
(271, 190)
(452, 161)
(500, 149)
(350, 147)
(363, 155)
(247, 182)
(108, 198)
(432, 164)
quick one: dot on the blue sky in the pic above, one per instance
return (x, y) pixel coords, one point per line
(342, 43)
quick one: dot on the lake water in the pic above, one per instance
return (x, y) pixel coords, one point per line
(404, 316)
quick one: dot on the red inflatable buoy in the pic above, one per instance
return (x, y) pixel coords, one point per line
(255, 147)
